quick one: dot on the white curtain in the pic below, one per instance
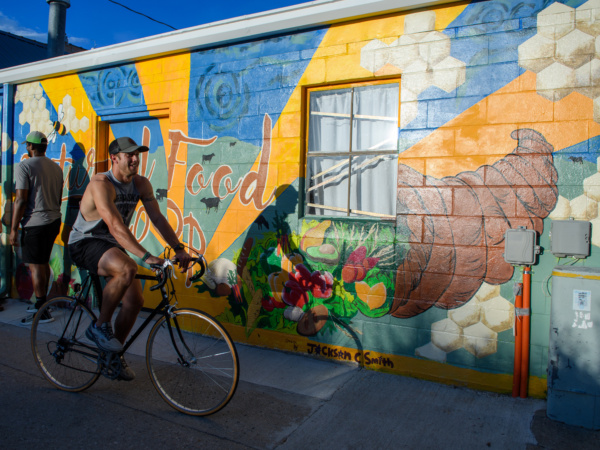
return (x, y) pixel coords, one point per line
(374, 128)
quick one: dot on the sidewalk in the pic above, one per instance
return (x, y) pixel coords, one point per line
(283, 401)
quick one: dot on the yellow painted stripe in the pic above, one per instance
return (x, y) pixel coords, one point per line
(57, 88)
(402, 365)
(165, 82)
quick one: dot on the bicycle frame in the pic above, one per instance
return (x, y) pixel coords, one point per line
(162, 308)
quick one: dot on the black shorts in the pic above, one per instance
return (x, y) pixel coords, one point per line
(87, 253)
(37, 242)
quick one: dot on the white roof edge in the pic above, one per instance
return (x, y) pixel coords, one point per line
(297, 17)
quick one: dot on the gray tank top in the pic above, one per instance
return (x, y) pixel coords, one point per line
(126, 200)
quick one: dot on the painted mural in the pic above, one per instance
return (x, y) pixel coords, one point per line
(498, 128)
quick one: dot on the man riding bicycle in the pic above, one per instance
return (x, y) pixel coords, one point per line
(101, 235)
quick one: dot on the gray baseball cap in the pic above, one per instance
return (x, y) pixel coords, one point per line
(36, 137)
(125, 145)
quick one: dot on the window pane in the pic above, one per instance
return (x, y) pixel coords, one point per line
(373, 184)
(370, 113)
(329, 122)
(327, 185)
(375, 123)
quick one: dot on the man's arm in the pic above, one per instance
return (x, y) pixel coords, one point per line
(159, 221)
(19, 207)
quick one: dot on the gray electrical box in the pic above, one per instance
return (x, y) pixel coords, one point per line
(573, 351)
(570, 238)
(519, 246)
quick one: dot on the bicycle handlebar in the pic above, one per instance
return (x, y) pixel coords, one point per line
(165, 271)
(201, 261)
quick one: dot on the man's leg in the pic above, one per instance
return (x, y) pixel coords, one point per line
(122, 285)
(37, 243)
(121, 270)
(40, 274)
(133, 300)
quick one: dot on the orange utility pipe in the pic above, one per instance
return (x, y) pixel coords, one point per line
(525, 331)
(518, 335)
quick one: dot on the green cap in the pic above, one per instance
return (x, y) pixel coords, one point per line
(36, 137)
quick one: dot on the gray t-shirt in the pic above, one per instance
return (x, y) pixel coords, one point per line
(43, 178)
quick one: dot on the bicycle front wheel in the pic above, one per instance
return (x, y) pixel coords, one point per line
(61, 350)
(192, 362)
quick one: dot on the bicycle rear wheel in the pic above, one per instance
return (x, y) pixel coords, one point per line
(62, 352)
(192, 362)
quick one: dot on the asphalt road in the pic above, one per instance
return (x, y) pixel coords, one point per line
(283, 401)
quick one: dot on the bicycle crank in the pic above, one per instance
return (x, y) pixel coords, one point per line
(109, 364)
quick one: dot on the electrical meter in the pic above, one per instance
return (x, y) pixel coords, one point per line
(570, 238)
(519, 246)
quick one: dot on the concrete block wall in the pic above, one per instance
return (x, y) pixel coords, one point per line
(498, 128)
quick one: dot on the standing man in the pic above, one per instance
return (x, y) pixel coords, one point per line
(39, 183)
(101, 235)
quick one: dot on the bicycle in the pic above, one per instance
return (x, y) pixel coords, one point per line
(191, 359)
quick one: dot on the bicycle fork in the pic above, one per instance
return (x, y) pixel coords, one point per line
(180, 358)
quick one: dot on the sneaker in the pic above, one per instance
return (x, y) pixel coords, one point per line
(127, 373)
(31, 309)
(46, 318)
(103, 337)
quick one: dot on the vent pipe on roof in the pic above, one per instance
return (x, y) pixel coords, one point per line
(57, 22)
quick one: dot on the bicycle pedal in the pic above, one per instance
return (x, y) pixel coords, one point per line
(110, 365)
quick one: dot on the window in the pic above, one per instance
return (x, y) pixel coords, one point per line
(353, 150)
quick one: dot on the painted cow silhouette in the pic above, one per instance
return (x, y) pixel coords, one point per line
(211, 203)
(160, 194)
(207, 158)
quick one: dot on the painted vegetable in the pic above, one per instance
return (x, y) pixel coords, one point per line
(313, 321)
(358, 265)
(314, 236)
(325, 253)
(277, 284)
(218, 272)
(294, 294)
(322, 284)
(309, 322)
(373, 296)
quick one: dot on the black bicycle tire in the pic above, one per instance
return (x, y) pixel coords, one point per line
(57, 372)
(185, 388)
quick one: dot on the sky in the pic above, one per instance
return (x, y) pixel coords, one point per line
(98, 23)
